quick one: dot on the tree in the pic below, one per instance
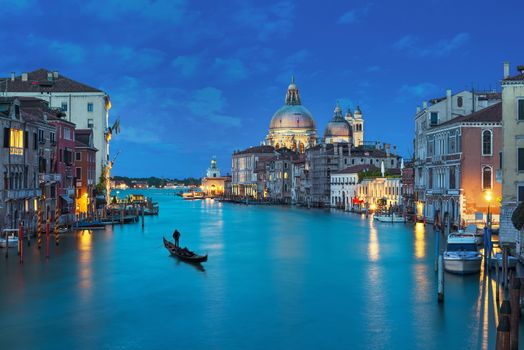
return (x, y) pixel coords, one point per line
(518, 217)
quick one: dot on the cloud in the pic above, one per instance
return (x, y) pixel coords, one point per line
(130, 57)
(60, 50)
(421, 90)
(186, 65)
(354, 15)
(138, 135)
(163, 10)
(232, 69)
(209, 103)
(267, 20)
(290, 65)
(411, 45)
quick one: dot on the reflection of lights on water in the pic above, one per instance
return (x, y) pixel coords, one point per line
(373, 246)
(85, 257)
(420, 241)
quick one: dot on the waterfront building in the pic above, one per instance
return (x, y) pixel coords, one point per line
(356, 121)
(408, 188)
(85, 172)
(338, 129)
(279, 176)
(292, 126)
(213, 183)
(344, 186)
(381, 192)
(512, 153)
(448, 166)
(247, 168)
(300, 189)
(83, 105)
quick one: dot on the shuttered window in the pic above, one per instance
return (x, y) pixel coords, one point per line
(520, 108)
(521, 159)
(7, 134)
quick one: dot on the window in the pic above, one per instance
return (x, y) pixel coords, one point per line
(521, 193)
(486, 142)
(52, 137)
(41, 138)
(63, 108)
(486, 178)
(90, 106)
(520, 109)
(78, 173)
(520, 159)
(460, 102)
(90, 123)
(430, 178)
(434, 118)
(78, 156)
(14, 139)
(452, 178)
(67, 133)
(35, 140)
(61, 155)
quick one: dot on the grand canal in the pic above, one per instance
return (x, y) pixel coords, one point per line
(277, 278)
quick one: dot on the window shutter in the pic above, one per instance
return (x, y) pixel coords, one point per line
(6, 137)
(35, 140)
(521, 159)
(26, 139)
(521, 109)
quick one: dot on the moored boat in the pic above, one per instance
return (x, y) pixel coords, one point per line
(90, 225)
(462, 255)
(184, 253)
(9, 239)
(388, 218)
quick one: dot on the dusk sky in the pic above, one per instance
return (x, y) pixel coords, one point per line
(196, 79)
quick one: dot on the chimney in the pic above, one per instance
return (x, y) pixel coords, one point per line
(520, 69)
(12, 76)
(55, 74)
(506, 70)
(449, 105)
(388, 149)
(424, 104)
(418, 109)
(24, 77)
(49, 76)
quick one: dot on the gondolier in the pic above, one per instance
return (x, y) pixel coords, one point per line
(176, 237)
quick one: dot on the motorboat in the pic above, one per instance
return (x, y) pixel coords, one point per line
(9, 238)
(389, 218)
(193, 195)
(462, 255)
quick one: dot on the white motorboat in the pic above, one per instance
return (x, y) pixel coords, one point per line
(462, 255)
(388, 218)
(9, 238)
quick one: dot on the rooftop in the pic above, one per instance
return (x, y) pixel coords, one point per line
(355, 169)
(491, 114)
(257, 149)
(38, 81)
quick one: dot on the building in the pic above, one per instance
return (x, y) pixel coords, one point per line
(245, 171)
(512, 153)
(450, 170)
(408, 189)
(292, 126)
(85, 172)
(213, 184)
(83, 105)
(382, 192)
(279, 176)
(344, 186)
(356, 121)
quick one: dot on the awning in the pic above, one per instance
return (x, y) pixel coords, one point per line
(66, 198)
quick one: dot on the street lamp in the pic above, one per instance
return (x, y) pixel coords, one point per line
(488, 198)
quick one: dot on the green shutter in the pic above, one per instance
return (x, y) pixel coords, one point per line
(520, 109)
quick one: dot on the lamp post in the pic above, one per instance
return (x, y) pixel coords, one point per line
(488, 198)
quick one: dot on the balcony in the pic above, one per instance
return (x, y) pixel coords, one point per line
(69, 192)
(23, 194)
(46, 178)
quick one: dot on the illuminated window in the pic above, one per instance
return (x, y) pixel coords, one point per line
(486, 178)
(16, 142)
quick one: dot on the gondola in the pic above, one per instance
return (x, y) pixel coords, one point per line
(184, 253)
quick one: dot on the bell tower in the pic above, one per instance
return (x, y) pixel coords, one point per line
(358, 128)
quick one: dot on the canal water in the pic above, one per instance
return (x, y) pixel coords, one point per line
(277, 278)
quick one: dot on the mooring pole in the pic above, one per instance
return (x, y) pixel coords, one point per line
(440, 279)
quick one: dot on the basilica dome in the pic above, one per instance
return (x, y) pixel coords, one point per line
(292, 116)
(338, 129)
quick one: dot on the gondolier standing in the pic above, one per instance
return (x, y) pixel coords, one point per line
(176, 237)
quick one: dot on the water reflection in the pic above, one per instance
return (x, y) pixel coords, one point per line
(420, 241)
(85, 260)
(373, 246)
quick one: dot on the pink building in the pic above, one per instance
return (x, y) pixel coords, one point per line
(64, 164)
(463, 156)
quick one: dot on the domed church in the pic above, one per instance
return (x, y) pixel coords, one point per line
(292, 126)
(338, 129)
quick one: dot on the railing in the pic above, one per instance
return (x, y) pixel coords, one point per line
(50, 177)
(20, 194)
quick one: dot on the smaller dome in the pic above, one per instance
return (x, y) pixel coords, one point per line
(338, 126)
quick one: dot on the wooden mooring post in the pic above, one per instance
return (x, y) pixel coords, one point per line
(515, 315)
(440, 279)
(437, 247)
(142, 215)
(504, 327)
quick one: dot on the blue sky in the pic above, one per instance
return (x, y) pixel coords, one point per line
(196, 79)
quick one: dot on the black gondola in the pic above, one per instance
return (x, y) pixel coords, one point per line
(184, 253)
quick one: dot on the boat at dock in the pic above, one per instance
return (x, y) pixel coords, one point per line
(184, 253)
(193, 195)
(9, 238)
(462, 255)
(388, 218)
(90, 225)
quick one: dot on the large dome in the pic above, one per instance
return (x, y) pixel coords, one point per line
(292, 116)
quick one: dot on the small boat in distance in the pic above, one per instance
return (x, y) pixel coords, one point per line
(9, 238)
(184, 253)
(462, 255)
(193, 195)
(388, 218)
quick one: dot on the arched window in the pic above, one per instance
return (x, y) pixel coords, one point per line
(460, 102)
(486, 178)
(486, 142)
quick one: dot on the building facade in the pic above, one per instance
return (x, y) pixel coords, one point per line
(213, 184)
(245, 171)
(85, 173)
(344, 185)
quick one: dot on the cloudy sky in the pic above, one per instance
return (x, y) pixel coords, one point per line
(196, 79)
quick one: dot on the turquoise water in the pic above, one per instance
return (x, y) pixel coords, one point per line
(277, 278)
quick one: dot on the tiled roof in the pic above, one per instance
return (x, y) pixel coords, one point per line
(257, 149)
(365, 152)
(355, 169)
(37, 81)
(518, 77)
(491, 114)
